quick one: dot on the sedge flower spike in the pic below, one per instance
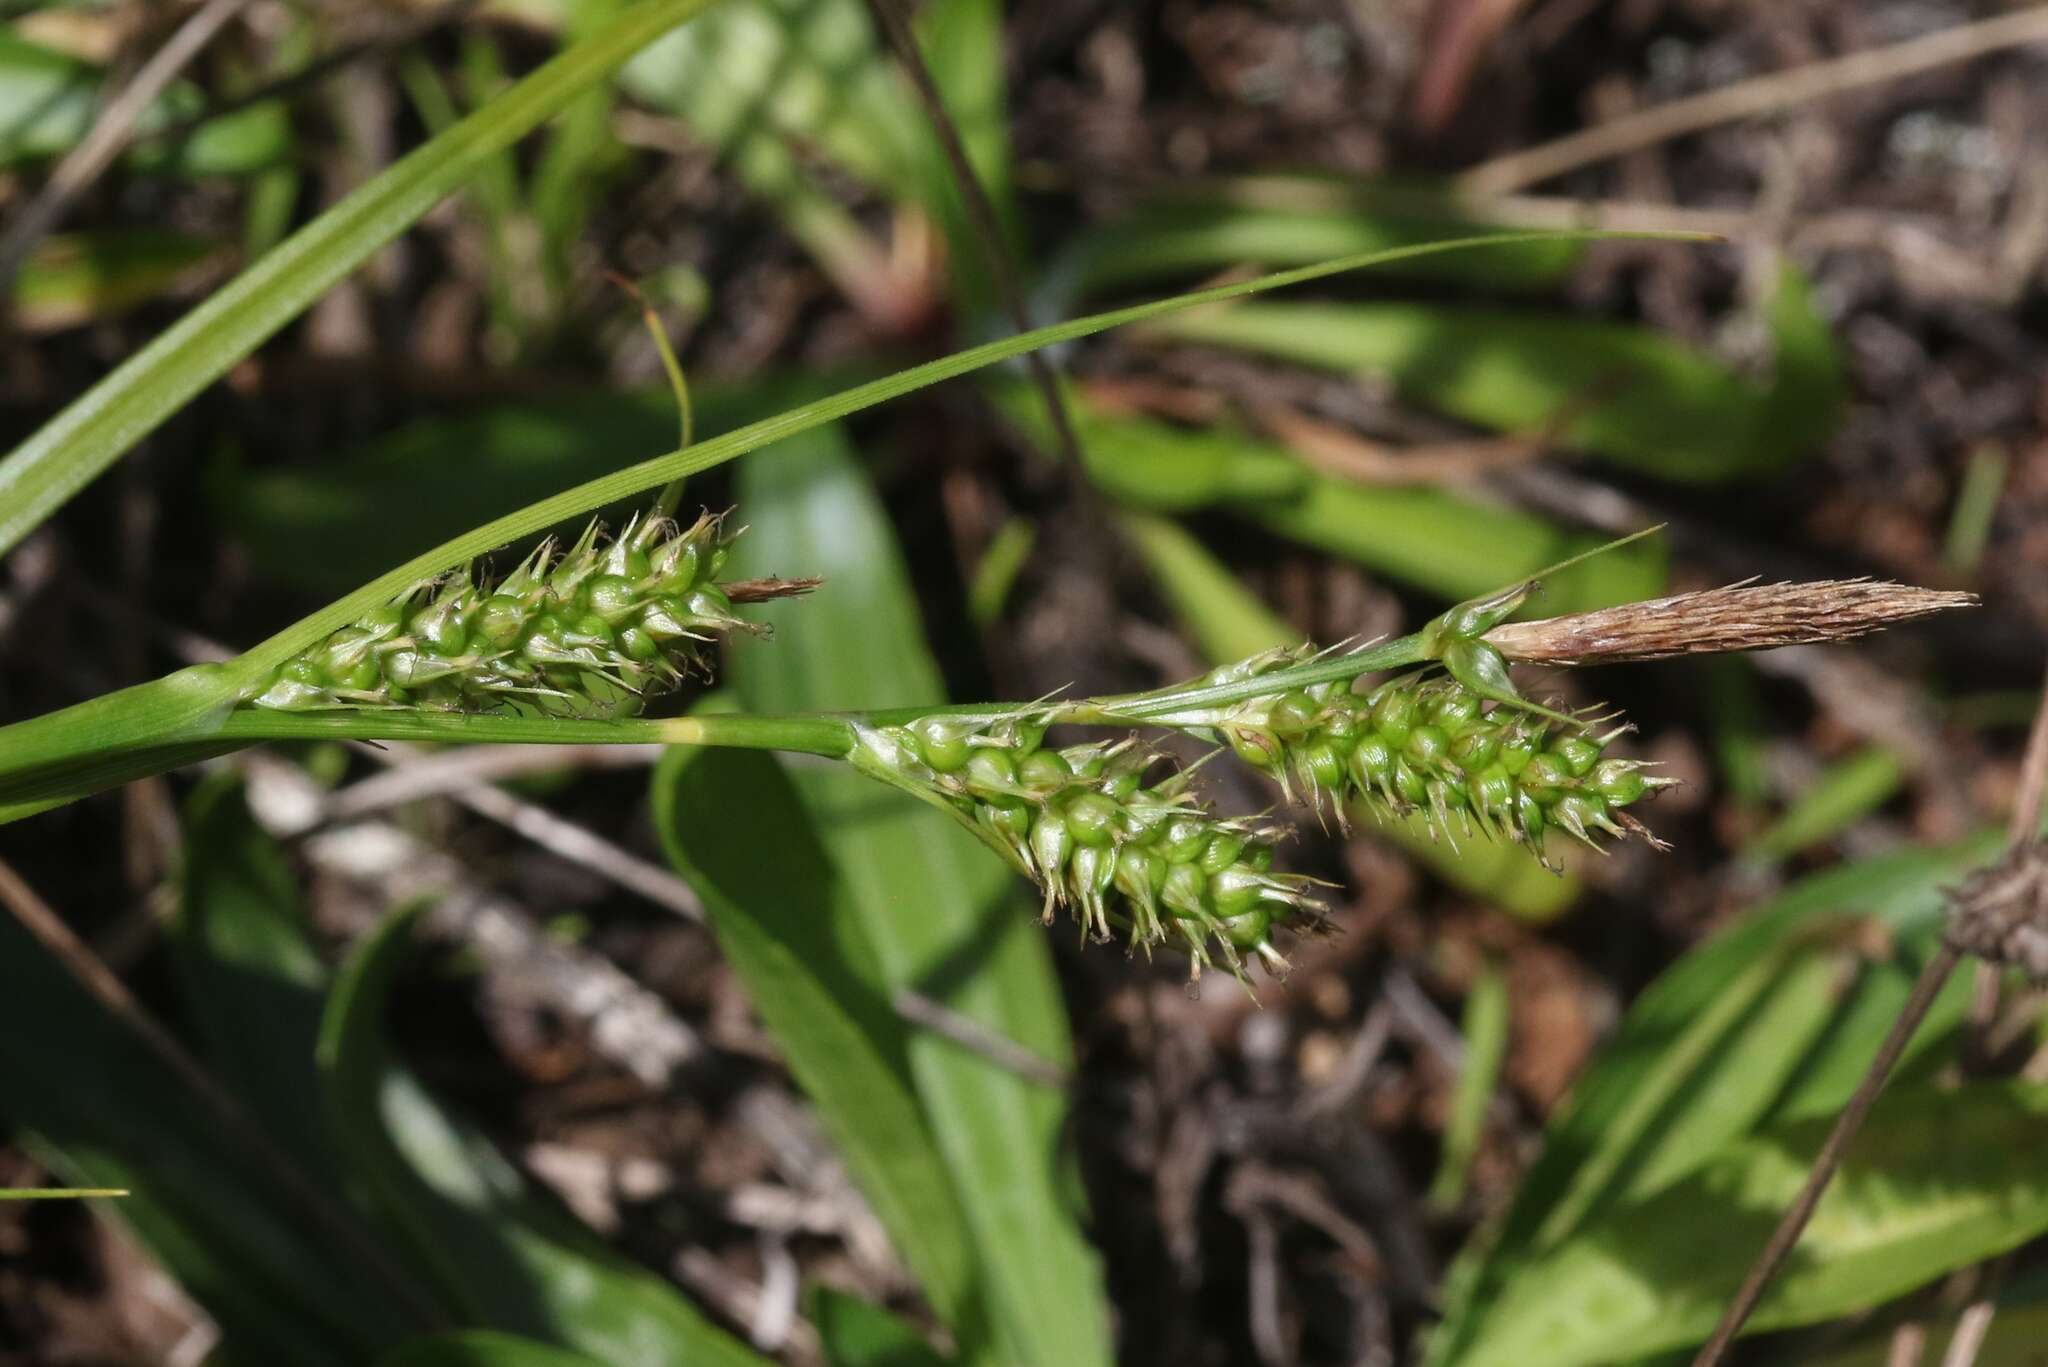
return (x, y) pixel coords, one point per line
(1431, 743)
(588, 632)
(1118, 853)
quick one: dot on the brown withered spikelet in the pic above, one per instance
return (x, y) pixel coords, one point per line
(1745, 616)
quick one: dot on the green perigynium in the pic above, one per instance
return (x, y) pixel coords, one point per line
(590, 632)
(1121, 854)
(1425, 741)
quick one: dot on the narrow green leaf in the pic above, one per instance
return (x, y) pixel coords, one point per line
(1459, 548)
(941, 911)
(996, 575)
(1485, 1028)
(61, 1193)
(856, 1334)
(787, 922)
(1226, 619)
(1936, 1180)
(482, 1348)
(1158, 466)
(99, 1108)
(100, 426)
(510, 1259)
(1648, 401)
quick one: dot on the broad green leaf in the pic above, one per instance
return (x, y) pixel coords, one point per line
(482, 1348)
(99, 427)
(1648, 401)
(1937, 1179)
(856, 1334)
(1434, 539)
(1229, 623)
(74, 278)
(1748, 1028)
(2019, 1326)
(101, 1109)
(940, 910)
(49, 99)
(1458, 548)
(1155, 465)
(1485, 1028)
(251, 980)
(787, 922)
(510, 1259)
(1226, 620)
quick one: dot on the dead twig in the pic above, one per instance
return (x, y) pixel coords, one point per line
(1758, 95)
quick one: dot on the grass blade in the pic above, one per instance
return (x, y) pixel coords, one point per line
(856, 1334)
(102, 1112)
(1656, 405)
(941, 911)
(788, 924)
(1937, 1179)
(156, 726)
(1747, 1029)
(99, 427)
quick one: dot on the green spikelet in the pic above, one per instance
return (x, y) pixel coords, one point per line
(1426, 742)
(1119, 854)
(590, 632)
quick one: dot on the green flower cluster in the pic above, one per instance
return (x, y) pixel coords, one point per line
(1426, 742)
(1119, 853)
(587, 633)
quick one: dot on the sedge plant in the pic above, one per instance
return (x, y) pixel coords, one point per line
(574, 645)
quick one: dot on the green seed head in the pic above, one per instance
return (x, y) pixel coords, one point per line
(1427, 742)
(1125, 856)
(587, 632)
